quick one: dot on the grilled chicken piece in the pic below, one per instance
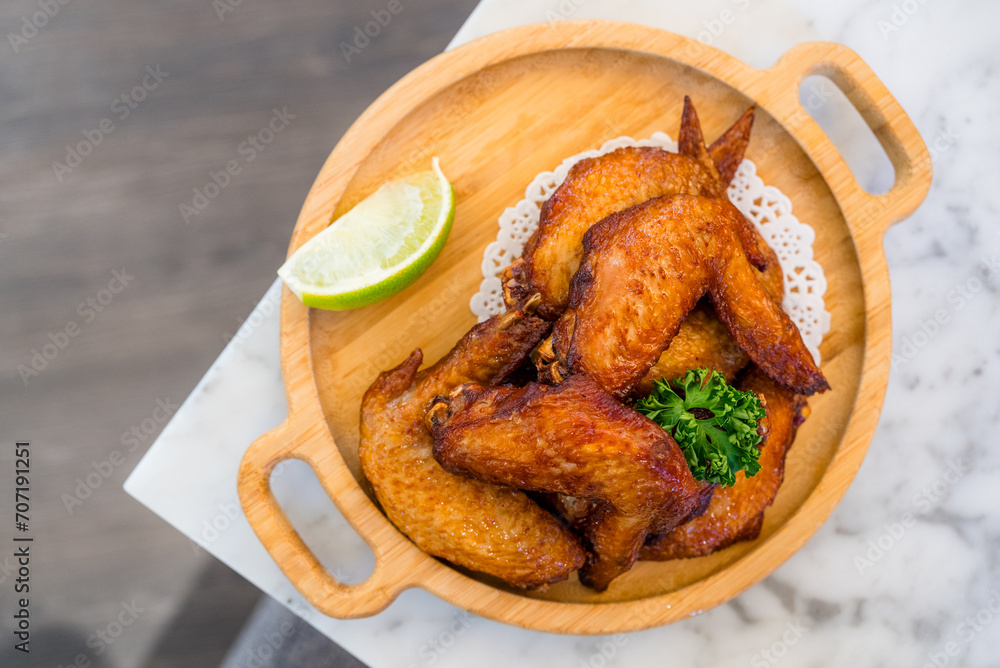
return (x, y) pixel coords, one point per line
(737, 513)
(577, 440)
(643, 271)
(483, 527)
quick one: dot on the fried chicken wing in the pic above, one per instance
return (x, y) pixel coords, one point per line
(576, 512)
(725, 154)
(643, 271)
(737, 513)
(691, 141)
(577, 440)
(593, 189)
(703, 341)
(478, 525)
(727, 151)
(597, 187)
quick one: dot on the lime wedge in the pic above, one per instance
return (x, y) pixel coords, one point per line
(377, 248)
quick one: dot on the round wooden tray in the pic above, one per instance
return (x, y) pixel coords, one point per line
(498, 111)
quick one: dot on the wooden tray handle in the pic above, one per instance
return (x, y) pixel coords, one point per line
(287, 548)
(779, 93)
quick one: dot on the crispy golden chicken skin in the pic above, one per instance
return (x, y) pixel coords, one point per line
(594, 189)
(577, 440)
(643, 271)
(576, 512)
(573, 510)
(597, 187)
(483, 527)
(725, 154)
(727, 151)
(691, 141)
(737, 513)
(703, 341)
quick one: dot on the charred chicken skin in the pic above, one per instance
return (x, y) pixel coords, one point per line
(478, 525)
(577, 440)
(643, 271)
(737, 513)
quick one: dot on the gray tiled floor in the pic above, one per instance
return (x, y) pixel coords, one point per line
(64, 232)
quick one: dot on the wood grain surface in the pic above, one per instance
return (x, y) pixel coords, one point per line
(193, 283)
(498, 112)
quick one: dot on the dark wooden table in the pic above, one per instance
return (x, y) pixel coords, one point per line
(116, 116)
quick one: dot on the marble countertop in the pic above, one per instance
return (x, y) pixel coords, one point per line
(904, 573)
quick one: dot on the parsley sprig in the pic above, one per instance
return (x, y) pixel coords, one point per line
(715, 424)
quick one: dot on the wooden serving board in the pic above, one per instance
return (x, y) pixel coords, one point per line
(497, 112)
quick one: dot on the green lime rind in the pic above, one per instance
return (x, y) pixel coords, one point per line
(392, 285)
(308, 272)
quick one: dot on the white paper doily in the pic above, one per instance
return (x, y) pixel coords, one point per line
(768, 208)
